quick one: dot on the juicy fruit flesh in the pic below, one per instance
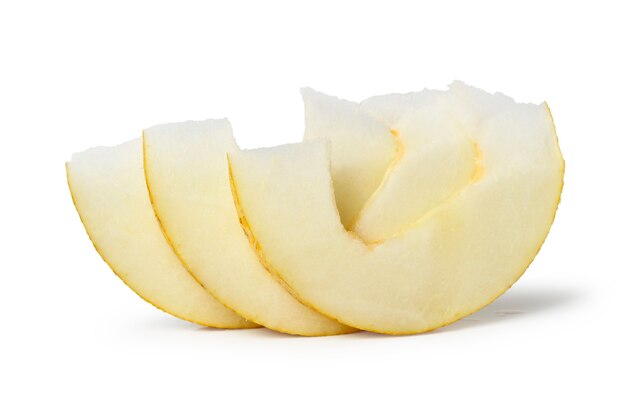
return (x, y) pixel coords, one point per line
(398, 215)
(438, 160)
(110, 195)
(356, 175)
(457, 257)
(187, 173)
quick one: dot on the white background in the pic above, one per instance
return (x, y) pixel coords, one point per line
(76, 341)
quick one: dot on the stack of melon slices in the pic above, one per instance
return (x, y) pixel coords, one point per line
(398, 215)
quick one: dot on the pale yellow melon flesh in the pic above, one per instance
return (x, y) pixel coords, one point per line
(110, 195)
(363, 148)
(438, 159)
(188, 179)
(457, 257)
(434, 157)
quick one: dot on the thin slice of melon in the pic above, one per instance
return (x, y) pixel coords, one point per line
(450, 261)
(109, 191)
(363, 148)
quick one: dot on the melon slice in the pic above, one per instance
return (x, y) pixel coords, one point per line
(451, 259)
(363, 148)
(109, 191)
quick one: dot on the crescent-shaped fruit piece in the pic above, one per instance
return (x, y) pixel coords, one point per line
(363, 148)
(436, 132)
(188, 179)
(109, 191)
(455, 258)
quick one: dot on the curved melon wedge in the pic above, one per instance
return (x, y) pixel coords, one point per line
(363, 148)
(109, 191)
(457, 258)
(434, 156)
(437, 131)
(187, 173)
(438, 159)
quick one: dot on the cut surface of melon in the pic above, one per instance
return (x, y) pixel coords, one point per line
(434, 157)
(188, 178)
(459, 252)
(109, 191)
(363, 148)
